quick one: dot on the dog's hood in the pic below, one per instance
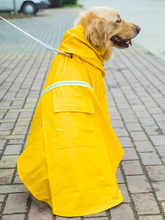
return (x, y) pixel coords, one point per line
(74, 42)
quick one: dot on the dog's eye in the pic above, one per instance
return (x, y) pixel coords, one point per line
(118, 21)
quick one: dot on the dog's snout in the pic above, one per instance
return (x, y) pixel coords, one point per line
(138, 29)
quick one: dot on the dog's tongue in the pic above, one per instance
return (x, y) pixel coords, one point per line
(130, 42)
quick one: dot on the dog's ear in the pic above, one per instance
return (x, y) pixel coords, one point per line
(95, 29)
(95, 33)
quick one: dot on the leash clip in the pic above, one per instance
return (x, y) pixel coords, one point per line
(56, 51)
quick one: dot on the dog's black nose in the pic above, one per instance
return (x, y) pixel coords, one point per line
(138, 29)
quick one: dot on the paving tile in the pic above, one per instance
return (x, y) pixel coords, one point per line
(142, 114)
(2, 114)
(117, 123)
(16, 137)
(133, 127)
(154, 217)
(138, 184)
(8, 161)
(128, 119)
(20, 188)
(6, 126)
(17, 180)
(23, 121)
(146, 99)
(16, 203)
(11, 115)
(24, 110)
(160, 100)
(124, 192)
(139, 136)
(122, 105)
(159, 117)
(163, 206)
(161, 150)
(10, 94)
(30, 105)
(163, 159)
(26, 114)
(14, 217)
(158, 140)
(147, 121)
(121, 100)
(119, 176)
(155, 110)
(20, 130)
(6, 176)
(145, 204)
(150, 158)
(32, 100)
(2, 133)
(130, 154)
(1, 205)
(162, 125)
(156, 173)
(127, 112)
(15, 142)
(12, 149)
(153, 130)
(100, 214)
(40, 213)
(115, 116)
(122, 211)
(2, 197)
(121, 132)
(111, 109)
(125, 142)
(138, 108)
(159, 190)
(132, 167)
(144, 146)
(7, 120)
(18, 103)
(2, 144)
(95, 218)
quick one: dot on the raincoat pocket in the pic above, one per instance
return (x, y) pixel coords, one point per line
(74, 122)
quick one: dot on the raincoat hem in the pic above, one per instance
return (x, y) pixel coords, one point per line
(101, 209)
(31, 191)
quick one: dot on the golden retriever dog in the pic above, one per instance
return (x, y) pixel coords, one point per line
(104, 28)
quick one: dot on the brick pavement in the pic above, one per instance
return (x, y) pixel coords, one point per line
(135, 83)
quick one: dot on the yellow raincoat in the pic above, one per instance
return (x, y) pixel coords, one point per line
(72, 152)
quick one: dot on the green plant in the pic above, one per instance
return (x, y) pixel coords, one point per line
(69, 2)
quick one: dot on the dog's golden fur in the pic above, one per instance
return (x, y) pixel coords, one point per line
(101, 24)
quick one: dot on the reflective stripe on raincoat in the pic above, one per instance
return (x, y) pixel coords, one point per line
(72, 151)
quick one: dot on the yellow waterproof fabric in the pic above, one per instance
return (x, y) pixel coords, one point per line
(72, 152)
